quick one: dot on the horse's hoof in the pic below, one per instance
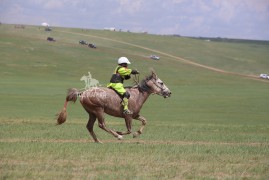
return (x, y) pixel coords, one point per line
(120, 137)
(135, 135)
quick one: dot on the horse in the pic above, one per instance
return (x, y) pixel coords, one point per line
(100, 100)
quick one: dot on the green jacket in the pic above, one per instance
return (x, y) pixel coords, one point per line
(120, 74)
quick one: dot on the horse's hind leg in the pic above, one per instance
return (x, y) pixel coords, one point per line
(102, 125)
(92, 119)
(144, 122)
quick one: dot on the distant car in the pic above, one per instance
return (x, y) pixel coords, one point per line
(48, 29)
(50, 39)
(154, 57)
(83, 42)
(92, 45)
(264, 76)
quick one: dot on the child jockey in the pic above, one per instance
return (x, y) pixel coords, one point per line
(116, 82)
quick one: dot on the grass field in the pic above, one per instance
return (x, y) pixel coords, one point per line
(214, 126)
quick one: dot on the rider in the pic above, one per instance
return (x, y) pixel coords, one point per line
(116, 82)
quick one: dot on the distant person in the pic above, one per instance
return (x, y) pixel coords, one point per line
(116, 82)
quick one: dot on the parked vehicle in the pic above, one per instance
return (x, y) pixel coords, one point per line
(264, 76)
(154, 57)
(92, 45)
(83, 42)
(50, 39)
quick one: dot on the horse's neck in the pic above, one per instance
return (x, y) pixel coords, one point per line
(141, 97)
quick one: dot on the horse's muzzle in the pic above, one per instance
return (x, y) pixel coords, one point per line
(166, 94)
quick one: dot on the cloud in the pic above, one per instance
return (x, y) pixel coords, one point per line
(231, 9)
(57, 4)
(10, 13)
(226, 12)
(224, 18)
(52, 4)
(178, 1)
(260, 6)
(47, 4)
(130, 6)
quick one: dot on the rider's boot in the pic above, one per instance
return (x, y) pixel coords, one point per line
(125, 106)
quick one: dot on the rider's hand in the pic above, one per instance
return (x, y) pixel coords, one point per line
(134, 72)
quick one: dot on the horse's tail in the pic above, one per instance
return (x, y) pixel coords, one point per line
(72, 95)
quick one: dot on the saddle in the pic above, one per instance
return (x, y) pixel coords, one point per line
(125, 87)
(121, 96)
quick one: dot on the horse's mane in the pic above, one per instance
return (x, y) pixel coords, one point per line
(142, 86)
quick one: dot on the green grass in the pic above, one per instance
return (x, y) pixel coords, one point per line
(214, 126)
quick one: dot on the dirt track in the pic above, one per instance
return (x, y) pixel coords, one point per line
(175, 58)
(132, 141)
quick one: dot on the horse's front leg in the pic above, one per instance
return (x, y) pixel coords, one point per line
(144, 122)
(128, 122)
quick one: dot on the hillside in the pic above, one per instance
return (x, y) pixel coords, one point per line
(36, 66)
(215, 124)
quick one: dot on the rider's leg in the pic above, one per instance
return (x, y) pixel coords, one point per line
(126, 97)
(120, 89)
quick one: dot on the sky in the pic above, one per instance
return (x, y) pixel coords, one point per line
(243, 19)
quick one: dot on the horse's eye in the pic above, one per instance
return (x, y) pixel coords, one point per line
(161, 83)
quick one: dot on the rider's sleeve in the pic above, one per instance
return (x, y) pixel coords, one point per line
(124, 71)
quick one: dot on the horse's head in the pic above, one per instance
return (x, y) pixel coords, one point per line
(156, 86)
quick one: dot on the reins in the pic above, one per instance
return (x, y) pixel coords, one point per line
(136, 79)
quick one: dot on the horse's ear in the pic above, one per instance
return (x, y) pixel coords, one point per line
(153, 73)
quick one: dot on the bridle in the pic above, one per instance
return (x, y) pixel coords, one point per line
(154, 82)
(144, 86)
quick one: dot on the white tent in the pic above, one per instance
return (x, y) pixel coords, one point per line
(110, 29)
(45, 24)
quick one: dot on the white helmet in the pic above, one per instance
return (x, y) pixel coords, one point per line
(123, 60)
